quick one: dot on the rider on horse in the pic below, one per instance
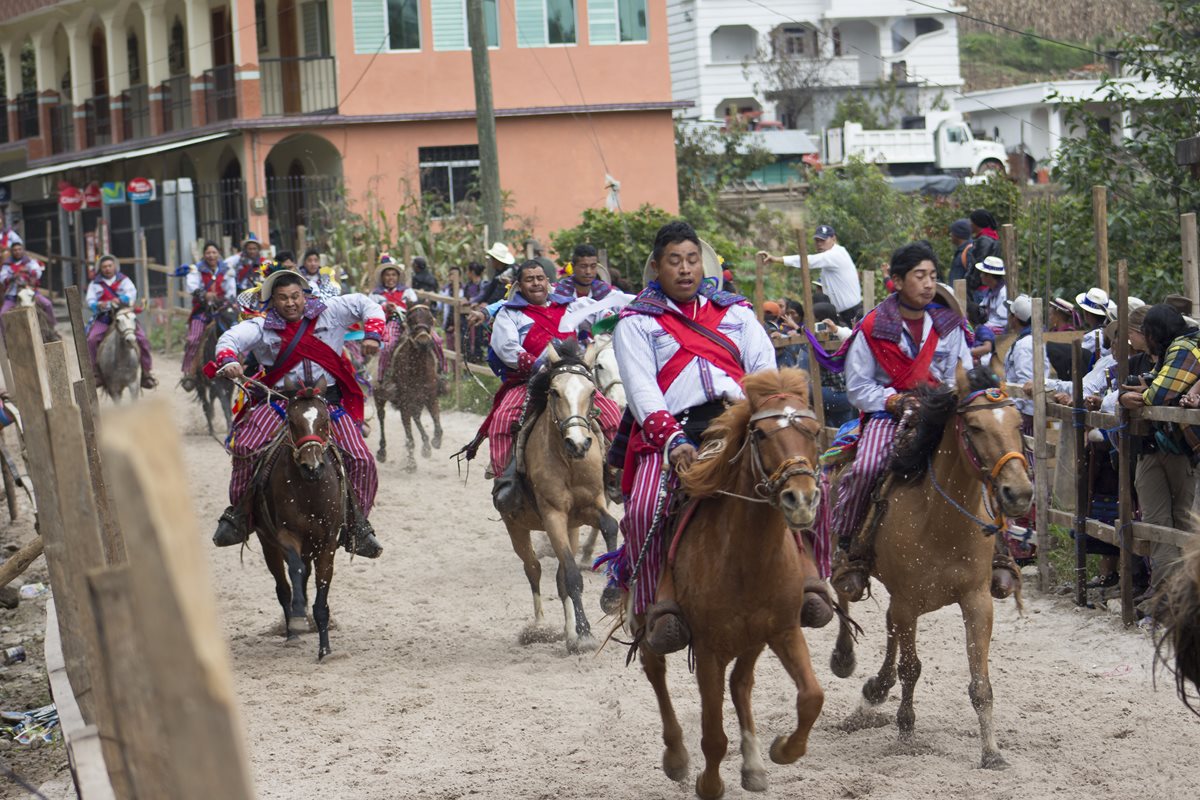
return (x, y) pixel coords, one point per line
(588, 278)
(914, 338)
(300, 337)
(523, 328)
(683, 347)
(245, 263)
(325, 281)
(19, 270)
(208, 281)
(250, 305)
(109, 291)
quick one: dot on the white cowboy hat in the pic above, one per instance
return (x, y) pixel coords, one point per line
(712, 265)
(268, 284)
(1021, 307)
(945, 295)
(1094, 301)
(1062, 304)
(992, 265)
(501, 253)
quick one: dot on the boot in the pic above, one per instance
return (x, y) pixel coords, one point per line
(506, 490)
(358, 537)
(851, 570)
(149, 381)
(1005, 575)
(612, 484)
(817, 610)
(231, 528)
(443, 385)
(188, 383)
(666, 630)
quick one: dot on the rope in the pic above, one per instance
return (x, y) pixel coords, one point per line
(989, 529)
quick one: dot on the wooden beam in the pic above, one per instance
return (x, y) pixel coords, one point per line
(1079, 522)
(57, 373)
(79, 337)
(760, 268)
(1191, 260)
(18, 562)
(1008, 245)
(867, 277)
(110, 531)
(960, 294)
(1124, 448)
(1100, 234)
(810, 322)
(1041, 473)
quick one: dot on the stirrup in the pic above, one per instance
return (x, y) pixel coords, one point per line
(359, 538)
(506, 490)
(1003, 566)
(149, 381)
(817, 609)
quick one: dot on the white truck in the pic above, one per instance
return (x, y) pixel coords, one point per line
(938, 142)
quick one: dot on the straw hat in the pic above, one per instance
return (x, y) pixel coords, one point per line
(268, 284)
(1094, 301)
(1063, 304)
(944, 295)
(251, 238)
(992, 265)
(501, 253)
(708, 256)
(386, 263)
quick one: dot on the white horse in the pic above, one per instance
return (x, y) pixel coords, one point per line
(607, 378)
(117, 357)
(27, 298)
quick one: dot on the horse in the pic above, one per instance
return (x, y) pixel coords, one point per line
(930, 551)
(741, 577)
(1176, 606)
(563, 464)
(27, 298)
(223, 315)
(411, 385)
(607, 378)
(118, 356)
(299, 507)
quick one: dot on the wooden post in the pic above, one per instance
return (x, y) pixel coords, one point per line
(1100, 224)
(1191, 260)
(459, 320)
(18, 562)
(110, 532)
(5, 370)
(960, 294)
(1081, 474)
(1008, 245)
(1124, 450)
(78, 335)
(760, 267)
(1049, 252)
(1041, 473)
(301, 241)
(187, 669)
(57, 371)
(143, 281)
(867, 277)
(810, 322)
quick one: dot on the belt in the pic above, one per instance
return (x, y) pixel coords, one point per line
(695, 420)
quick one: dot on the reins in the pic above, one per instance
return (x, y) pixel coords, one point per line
(574, 420)
(768, 488)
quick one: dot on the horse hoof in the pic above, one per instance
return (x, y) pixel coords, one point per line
(875, 691)
(410, 466)
(777, 754)
(293, 639)
(675, 765)
(710, 791)
(754, 780)
(843, 664)
(582, 644)
(993, 760)
(426, 452)
(437, 442)
(381, 456)
(322, 652)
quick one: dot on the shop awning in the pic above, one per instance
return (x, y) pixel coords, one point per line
(110, 157)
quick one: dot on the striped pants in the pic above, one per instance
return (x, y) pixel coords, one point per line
(854, 490)
(392, 338)
(500, 436)
(196, 326)
(639, 514)
(262, 423)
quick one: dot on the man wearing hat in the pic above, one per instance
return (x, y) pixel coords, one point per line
(1018, 364)
(500, 259)
(995, 297)
(588, 278)
(8, 235)
(300, 337)
(245, 264)
(839, 276)
(1095, 307)
(962, 263)
(395, 298)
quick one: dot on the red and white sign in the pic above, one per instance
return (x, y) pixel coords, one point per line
(91, 196)
(140, 190)
(70, 198)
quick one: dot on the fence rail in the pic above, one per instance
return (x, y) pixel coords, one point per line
(220, 93)
(177, 103)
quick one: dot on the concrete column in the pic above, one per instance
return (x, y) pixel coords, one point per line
(79, 48)
(11, 53)
(1055, 133)
(118, 67)
(47, 91)
(155, 44)
(245, 56)
(199, 43)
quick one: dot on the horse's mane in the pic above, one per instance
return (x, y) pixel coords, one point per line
(570, 352)
(1177, 607)
(937, 404)
(723, 441)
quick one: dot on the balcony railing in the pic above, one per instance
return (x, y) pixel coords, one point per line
(137, 112)
(302, 85)
(3, 120)
(220, 93)
(97, 121)
(27, 115)
(62, 128)
(177, 103)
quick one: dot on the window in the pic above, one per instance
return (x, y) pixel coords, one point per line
(449, 175)
(403, 25)
(177, 53)
(450, 30)
(260, 23)
(796, 41)
(314, 21)
(132, 54)
(543, 22)
(612, 21)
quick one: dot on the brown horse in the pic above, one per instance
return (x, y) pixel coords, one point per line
(210, 391)
(740, 577)
(411, 385)
(1177, 608)
(300, 508)
(931, 550)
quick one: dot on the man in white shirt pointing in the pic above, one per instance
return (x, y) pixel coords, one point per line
(839, 276)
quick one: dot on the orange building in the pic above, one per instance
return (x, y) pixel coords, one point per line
(274, 108)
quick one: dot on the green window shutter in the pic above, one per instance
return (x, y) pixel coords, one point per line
(531, 23)
(449, 24)
(491, 16)
(602, 22)
(370, 26)
(314, 17)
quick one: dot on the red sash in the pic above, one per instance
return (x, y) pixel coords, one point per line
(211, 278)
(109, 293)
(545, 327)
(906, 372)
(716, 347)
(313, 349)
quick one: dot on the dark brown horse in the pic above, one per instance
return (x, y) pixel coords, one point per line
(411, 385)
(301, 508)
(740, 577)
(210, 391)
(1177, 608)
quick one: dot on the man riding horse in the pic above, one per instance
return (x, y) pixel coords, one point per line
(21, 270)
(914, 338)
(683, 346)
(109, 292)
(588, 278)
(300, 337)
(209, 282)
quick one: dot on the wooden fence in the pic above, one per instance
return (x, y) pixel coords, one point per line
(138, 667)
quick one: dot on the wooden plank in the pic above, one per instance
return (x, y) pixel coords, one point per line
(188, 667)
(57, 373)
(1191, 260)
(137, 712)
(867, 277)
(810, 321)
(79, 336)
(16, 564)
(760, 261)
(1100, 235)
(110, 531)
(1082, 489)
(1184, 416)
(1124, 448)
(960, 294)
(1041, 475)
(1008, 244)
(5, 369)
(434, 297)
(459, 322)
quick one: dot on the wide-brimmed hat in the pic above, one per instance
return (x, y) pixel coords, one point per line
(107, 257)
(251, 238)
(1136, 317)
(709, 258)
(501, 253)
(1094, 301)
(944, 295)
(1021, 307)
(1064, 305)
(771, 307)
(386, 263)
(268, 284)
(992, 265)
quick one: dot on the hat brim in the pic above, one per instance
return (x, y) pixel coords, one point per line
(268, 284)
(708, 256)
(987, 270)
(603, 274)
(382, 268)
(1079, 301)
(506, 258)
(945, 295)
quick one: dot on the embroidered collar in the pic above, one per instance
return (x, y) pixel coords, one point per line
(653, 300)
(888, 324)
(312, 309)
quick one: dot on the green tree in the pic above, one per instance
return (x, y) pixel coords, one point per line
(708, 160)
(626, 237)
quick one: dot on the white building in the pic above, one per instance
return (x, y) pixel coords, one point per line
(846, 44)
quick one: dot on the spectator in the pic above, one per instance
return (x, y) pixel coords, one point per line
(423, 280)
(839, 276)
(986, 242)
(985, 337)
(960, 237)
(995, 295)
(618, 280)
(1062, 316)
(500, 259)
(1095, 308)
(474, 281)
(1018, 364)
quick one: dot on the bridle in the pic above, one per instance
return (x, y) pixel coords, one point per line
(768, 487)
(420, 333)
(989, 477)
(311, 440)
(574, 420)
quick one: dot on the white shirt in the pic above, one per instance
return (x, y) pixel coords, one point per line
(643, 347)
(1018, 367)
(1095, 382)
(867, 382)
(119, 283)
(511, 325)
(226, 279)
(995, 304)
(839, 276)
(32, 268)
(1093, 342)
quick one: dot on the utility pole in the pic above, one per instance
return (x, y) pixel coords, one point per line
(485, 118)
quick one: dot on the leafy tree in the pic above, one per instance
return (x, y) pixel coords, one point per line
(625, 236)
(709, 160)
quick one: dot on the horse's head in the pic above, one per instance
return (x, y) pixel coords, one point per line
(779, 430)
(605, 373)
(125, 321)
(308, 426)
(419, 321)
(570, 395)
(25, 296)
(988, 427)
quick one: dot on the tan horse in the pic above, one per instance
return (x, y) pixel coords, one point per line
(563, 455)
(931, 551)
(1177, 608)
(740, 577)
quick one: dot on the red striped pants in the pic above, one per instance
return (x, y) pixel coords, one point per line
(639, 514)
(195, 331)
(854, 490)
(500, 437)
(392, 338)
(262, 423)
